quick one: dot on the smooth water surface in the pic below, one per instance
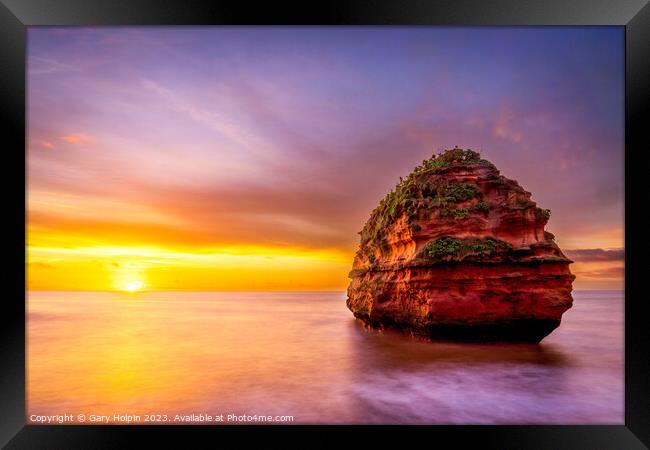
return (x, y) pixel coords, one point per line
(303, 354)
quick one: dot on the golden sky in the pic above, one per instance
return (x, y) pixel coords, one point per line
(248, 159)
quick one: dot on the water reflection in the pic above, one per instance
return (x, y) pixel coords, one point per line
(388, 348)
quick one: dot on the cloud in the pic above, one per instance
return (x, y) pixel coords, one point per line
(211, 118)
(506, 128)
(76, 138)
(44, 144)
(616, 273)
(42, 265)
(596, 254)
(43, 66)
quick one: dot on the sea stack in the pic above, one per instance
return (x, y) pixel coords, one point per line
(457, 251)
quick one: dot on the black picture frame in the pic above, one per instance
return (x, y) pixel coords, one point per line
(634, 15)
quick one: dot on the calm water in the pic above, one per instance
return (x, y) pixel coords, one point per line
(304, 355)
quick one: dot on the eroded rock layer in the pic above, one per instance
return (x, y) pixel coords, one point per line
(458, 251)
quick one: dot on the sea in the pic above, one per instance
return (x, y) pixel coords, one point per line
(301, 358)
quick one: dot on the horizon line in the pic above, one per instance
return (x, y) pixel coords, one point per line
(241, 290)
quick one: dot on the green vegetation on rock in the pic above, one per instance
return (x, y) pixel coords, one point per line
(487, 163)
(460, 213)
(443, 247)
(418, 192)
(456, 213)
(458, 192)
(542, 213)
(482, 206)
(453, 248)
(525, 202)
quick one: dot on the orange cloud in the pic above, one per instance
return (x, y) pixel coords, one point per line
(76, 138)
(44, 144)
(596, 254)
(504, 127)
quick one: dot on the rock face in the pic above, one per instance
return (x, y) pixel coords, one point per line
(458, 251)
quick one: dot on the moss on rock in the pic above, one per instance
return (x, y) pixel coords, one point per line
(448, 248)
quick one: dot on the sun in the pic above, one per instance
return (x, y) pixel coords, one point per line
(129, 277)
(133, 286)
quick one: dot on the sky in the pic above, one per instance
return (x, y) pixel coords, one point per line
(248, 158)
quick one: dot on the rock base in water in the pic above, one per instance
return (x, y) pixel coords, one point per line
(524, 330)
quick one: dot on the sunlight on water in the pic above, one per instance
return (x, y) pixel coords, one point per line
(303, 354)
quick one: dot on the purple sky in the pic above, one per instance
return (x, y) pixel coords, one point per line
(203, 136)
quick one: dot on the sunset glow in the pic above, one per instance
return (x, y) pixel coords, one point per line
(133, 286)
(249, 158)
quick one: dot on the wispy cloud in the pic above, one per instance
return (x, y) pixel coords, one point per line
(596, 254)
(43, 144)
(76, 138)
(214, 119)
(46, 66)
(506, 126)
(609, 273)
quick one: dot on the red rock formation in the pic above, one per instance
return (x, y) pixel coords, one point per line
(458, 251)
